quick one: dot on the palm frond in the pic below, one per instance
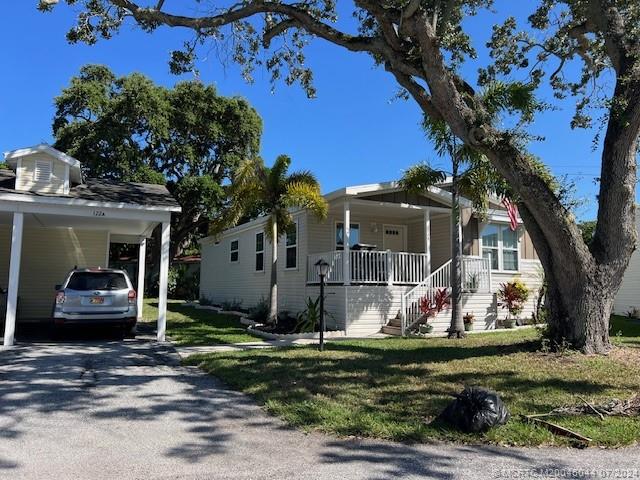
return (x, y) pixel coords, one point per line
(306, 195)
(277, 175)
(419, 178)
(304, 177)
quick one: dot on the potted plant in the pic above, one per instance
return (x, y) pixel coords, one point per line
(472, 283)
(425, 328)
(429, 308)
(513, 296)
(468, 321)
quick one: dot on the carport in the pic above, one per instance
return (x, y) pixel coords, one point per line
(43, 235)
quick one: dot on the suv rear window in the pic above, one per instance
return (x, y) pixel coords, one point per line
(97, 281)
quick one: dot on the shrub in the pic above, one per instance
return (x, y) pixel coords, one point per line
(183, 284)
(234, 305)
(205, 301)
(309, 318)
(513, 296)
(260, 311)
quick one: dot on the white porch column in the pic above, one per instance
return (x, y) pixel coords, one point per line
(346, 255)
(14, 278)
(142, 256)
(164, 275)
(427, 238)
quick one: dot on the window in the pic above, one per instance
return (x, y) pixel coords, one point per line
(42, 172)
(235, 247)
(260, 252)
(500, 246)
(97, 281)
(291, 248)
(354, 235)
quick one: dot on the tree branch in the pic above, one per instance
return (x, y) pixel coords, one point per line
(298, 16)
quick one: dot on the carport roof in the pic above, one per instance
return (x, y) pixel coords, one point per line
(106, 191)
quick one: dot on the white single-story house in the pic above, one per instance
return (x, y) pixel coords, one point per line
(52, 219)
(387, 248)
(628, 297)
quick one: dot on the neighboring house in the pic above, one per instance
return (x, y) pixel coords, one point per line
(382, 263)
(628, 297)
(51, 219)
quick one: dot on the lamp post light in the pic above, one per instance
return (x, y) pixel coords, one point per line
(322, 268)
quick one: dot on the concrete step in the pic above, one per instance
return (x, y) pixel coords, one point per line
(391, 330)
(394, 322)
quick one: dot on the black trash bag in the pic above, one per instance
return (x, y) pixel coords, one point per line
(475, 410)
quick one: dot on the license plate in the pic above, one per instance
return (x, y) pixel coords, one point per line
(96, 300)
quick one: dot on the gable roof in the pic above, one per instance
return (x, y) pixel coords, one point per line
(75, 174)
(388, 187)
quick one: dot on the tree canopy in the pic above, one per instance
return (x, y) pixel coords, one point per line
(424, 45)
(187, 137)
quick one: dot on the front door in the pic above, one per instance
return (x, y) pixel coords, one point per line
(393, 238)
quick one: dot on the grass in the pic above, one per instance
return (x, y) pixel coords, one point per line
(190, 326)
(394, 388)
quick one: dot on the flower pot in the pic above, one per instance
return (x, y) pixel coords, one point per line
(508, 323)
(468, 327)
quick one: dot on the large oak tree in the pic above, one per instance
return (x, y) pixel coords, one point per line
(424, 44)
(187, 137)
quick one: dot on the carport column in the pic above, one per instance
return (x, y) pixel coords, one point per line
(142, 257)
(14, 278)
(346, 245)
(427, 239)
(164, 276)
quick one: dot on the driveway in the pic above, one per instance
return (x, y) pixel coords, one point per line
(126, 409)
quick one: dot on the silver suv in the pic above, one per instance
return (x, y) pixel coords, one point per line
(96, 296)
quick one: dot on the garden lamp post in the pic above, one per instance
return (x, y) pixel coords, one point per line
(322, 268)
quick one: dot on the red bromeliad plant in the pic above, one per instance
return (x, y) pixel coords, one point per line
(441, 300)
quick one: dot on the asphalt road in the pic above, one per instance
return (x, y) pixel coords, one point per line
(110, 409)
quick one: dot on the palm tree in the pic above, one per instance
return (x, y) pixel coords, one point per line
(273, 192)
(476, 182)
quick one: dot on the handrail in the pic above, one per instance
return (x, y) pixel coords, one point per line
(476, 276)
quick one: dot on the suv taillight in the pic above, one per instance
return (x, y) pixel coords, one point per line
(132, 297)
(60, 298)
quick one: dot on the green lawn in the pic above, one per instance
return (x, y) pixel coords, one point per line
(394, 388)
(190, 326)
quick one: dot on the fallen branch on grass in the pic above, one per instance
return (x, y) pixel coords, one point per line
(614, 407)
(557, 429)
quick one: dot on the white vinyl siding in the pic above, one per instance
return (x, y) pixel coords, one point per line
(47, 256)
(40, 173)
(218, 282)
(628, 296)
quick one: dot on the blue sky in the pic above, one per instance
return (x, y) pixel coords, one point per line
(353, 133)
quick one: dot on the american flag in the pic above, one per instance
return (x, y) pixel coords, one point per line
(512, 211)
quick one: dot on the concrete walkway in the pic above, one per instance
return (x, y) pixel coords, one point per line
(127, 410)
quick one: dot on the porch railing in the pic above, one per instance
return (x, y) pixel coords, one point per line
(374, 267)
(334, 259)
(476, 277)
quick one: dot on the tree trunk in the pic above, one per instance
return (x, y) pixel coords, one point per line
(273, 295)
(580, 294)
(456, 329)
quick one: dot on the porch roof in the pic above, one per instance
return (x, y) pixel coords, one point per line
(362, 191)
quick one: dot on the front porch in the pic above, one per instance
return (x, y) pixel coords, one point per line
(396, 268)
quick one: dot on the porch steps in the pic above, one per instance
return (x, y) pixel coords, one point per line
(393, 327)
